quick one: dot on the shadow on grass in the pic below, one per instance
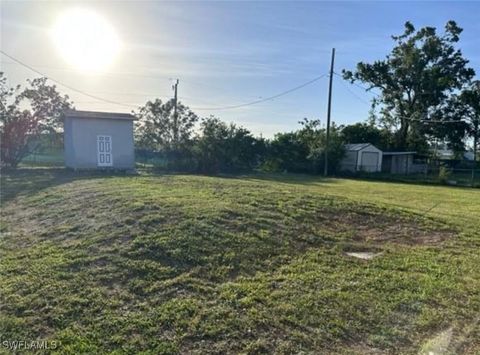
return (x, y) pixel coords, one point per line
(305, 179)
(301, 179)
(23, 181)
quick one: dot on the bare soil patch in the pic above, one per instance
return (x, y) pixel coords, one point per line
(380, 228)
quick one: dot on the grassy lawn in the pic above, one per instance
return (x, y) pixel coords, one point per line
(255, 264)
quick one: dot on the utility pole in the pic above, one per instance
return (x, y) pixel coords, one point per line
(476, 133)
(175, 118)
(329, 109)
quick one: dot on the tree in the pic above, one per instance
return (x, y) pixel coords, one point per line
(24, 115)
(155, 129)
(415, 80)
(303, 151)
(227, 148)
(287, 152)
(316, 140)
(47, 105)
(367, 133)
(470, 99)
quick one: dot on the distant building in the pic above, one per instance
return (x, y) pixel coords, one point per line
(99, 140)
(444, 154)
(468, 156)
(401, 163)
(362, 157)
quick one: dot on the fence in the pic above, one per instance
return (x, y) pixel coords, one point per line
(429, 174)
(432, 173)
(44, 158)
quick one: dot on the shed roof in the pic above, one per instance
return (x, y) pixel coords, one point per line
(399, 153)
(357, 146)
(100, 115)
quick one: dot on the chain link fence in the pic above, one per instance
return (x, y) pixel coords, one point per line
(452, 173)
(433, 174)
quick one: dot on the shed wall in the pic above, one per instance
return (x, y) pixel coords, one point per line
(81, 142)
(367, 163)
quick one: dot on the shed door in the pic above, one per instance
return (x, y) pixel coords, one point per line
(104, 151)
(370, 161)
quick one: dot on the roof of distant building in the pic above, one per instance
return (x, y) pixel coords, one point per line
(399, 153)
(356, 146)
(100, 115)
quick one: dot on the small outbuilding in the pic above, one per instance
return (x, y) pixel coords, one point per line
(99, 140)
(362, 157)
(402, 163)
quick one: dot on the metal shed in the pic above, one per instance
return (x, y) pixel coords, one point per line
(402, 163)
(102, 140)
(362, 157)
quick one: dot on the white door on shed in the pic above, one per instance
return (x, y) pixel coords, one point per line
(370, 161)
(104, 151)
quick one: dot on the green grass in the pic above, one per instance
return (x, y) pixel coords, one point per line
(254, 264)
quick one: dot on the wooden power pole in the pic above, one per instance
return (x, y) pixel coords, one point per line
(175, 118)
(476, 133)
(329, 109)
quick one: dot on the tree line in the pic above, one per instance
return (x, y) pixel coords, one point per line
(424, 92)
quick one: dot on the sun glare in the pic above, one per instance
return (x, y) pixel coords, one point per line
(85, 40)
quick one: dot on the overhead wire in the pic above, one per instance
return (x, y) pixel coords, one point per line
(353, 93)
(131, 106)
(411, 118)
(264, 99)
(63, 84)
(168, 78)
(358, 85)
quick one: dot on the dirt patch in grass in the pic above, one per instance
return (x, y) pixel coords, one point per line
(383, 228)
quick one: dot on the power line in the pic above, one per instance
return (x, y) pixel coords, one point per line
(353, 93)
(433, 121)
(168, 78)
(265, 99)
(359, 86)
(115, 74)
(411, 118)
(377, 94)
(63, 84)
(130, 106)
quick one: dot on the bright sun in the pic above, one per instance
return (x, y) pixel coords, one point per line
(85, 40)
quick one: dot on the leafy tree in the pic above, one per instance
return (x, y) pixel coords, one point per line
(47, 105)
(415, 80)
(227, 148)
(316, 139)
(155, 128)
(288, 152)
(303, 151)
(24, 115)
(470, 100)
(367, 133)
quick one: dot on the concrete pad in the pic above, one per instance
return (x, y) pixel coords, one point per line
(439, 344)
(365, 255)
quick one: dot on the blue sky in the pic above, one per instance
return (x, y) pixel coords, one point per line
(228, 53)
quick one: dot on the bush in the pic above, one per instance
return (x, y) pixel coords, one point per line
(226, 148)
(443, 174)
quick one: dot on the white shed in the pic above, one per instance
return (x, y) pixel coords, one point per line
(99, 140)
(362, 157)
